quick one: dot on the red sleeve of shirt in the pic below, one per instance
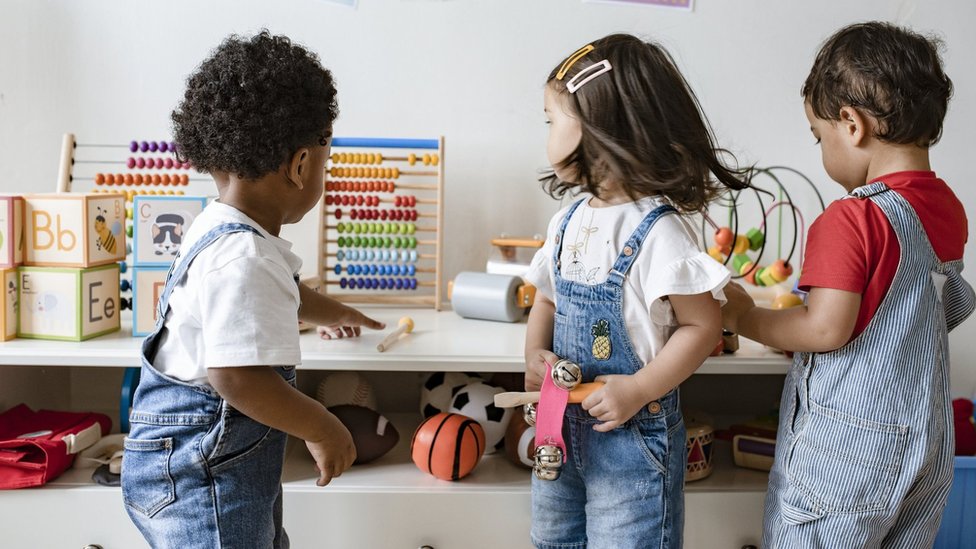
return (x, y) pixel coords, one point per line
(836, 254)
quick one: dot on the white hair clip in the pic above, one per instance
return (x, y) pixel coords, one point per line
(587, 74)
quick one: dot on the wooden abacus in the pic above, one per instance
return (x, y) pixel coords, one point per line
(382, 221)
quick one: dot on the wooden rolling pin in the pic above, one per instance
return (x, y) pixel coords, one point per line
(511, 400)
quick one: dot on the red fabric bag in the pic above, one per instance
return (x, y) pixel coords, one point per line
(36, 447)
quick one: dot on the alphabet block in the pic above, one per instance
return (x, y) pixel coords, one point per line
(9, 305)
(11, 231)
(159, 223)
(147, 286)
(68, 304)
(74, 230)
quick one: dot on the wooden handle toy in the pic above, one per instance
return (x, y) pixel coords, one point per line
(511, 400)
(405, 326)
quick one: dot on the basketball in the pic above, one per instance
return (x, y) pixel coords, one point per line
(448, 446)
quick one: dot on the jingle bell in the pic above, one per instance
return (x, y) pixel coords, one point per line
(528, 413)
(548, 462)
(566, 375)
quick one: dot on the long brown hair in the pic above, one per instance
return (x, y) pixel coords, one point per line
(642, 127)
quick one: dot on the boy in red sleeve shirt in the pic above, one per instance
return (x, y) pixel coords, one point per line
(864, 449)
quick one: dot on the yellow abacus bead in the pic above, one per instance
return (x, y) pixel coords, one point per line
(360, 159)
(716, 254)
(334, 158)
(373, 172)
(379, 158)
(741, 244)
(412, 159)
(434, 160)
(426, 160)
(396, 173)
(766, 278)
(786, 301)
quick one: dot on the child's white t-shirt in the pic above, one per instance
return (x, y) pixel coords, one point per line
(238, 304)
(669, 262)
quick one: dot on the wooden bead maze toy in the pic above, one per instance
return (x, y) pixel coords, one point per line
(382, 221)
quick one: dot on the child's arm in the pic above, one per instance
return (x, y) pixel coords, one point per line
(538, 341)
(264, 396)
(339, 320)
(824, 324)
(700, 329)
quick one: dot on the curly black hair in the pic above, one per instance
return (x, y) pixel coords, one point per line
(252, 104)
(888, 72)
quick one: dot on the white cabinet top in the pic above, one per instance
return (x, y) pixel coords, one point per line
(440, 341)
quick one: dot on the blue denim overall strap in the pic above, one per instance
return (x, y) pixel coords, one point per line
(622, 488)
(196, 472)
(864, 449)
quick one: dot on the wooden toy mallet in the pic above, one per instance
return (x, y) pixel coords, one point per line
(405, 326)
(511, 400)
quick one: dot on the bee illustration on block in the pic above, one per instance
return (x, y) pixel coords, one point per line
(104, 239)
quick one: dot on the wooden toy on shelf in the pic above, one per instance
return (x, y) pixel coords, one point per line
(501, 293)
(77, 230)
(68, 304)
(405, 326)
(11, 231)
(9, 304)
(158, 226)
(520, 398)
(382, 221)
(700, 450)
(147, 285)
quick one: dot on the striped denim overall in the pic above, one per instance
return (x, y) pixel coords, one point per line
(864, 452)
(196, 473)
(624, 488)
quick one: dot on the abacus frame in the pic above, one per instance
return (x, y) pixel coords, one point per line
(328, 242)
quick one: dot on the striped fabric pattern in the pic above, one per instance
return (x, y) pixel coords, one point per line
(865, 442)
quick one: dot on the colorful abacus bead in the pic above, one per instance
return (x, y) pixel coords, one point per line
(756, 239)
(723, 237)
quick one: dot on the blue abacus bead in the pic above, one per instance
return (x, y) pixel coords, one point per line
(413, 283)
(343, 282)
(373, 283)
(382, 283)
(128, 249)
(413, 256)
(337, 269)
(124, 285)
(123, 267)
(411, 269)
(340, 255)
(133, 146)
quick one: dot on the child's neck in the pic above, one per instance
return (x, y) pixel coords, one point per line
(889, 158)
(253, 199)
(611, 194)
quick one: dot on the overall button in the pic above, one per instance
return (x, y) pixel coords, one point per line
(628, 251)
(654, 407)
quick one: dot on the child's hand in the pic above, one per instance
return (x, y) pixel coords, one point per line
(535, 367)
(348, 325)
(334, 453)
(739, 301)
(616, 402)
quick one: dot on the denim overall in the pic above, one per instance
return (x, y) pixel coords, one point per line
(622, 488)
(865, 443)
(196, 473)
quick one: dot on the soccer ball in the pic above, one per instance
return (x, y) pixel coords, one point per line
(477, 401)
(438, 390)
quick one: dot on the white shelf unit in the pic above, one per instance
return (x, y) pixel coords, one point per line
(387, 503)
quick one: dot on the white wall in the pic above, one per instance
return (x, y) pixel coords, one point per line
(111, 71)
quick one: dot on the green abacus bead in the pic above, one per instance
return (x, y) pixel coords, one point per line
(128, 231)
(397, 242)
(756, 239)
(387, 242)
(413, 242)
(357, 241)
(372, 242)
(738, 260)
(411, 228)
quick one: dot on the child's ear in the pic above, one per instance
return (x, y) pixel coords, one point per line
(856, 126)
(298, 166)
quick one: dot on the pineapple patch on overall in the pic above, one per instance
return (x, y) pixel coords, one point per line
(601, 340)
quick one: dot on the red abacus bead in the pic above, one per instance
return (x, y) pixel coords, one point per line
(168, 163)
(140, 162)
(360, 199)
(413, 201)
(99, 179)
(130, 163)
(361, 186)
(398, 200)
(723, 237)
(328, 186)
(376, 214)
(328, 199)
(390, 187)
(187, 165)
(376, 201)
(384, 215)
(338, 214)
(137, 179)
(184, 179)
(348, 200)
(371, 186)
